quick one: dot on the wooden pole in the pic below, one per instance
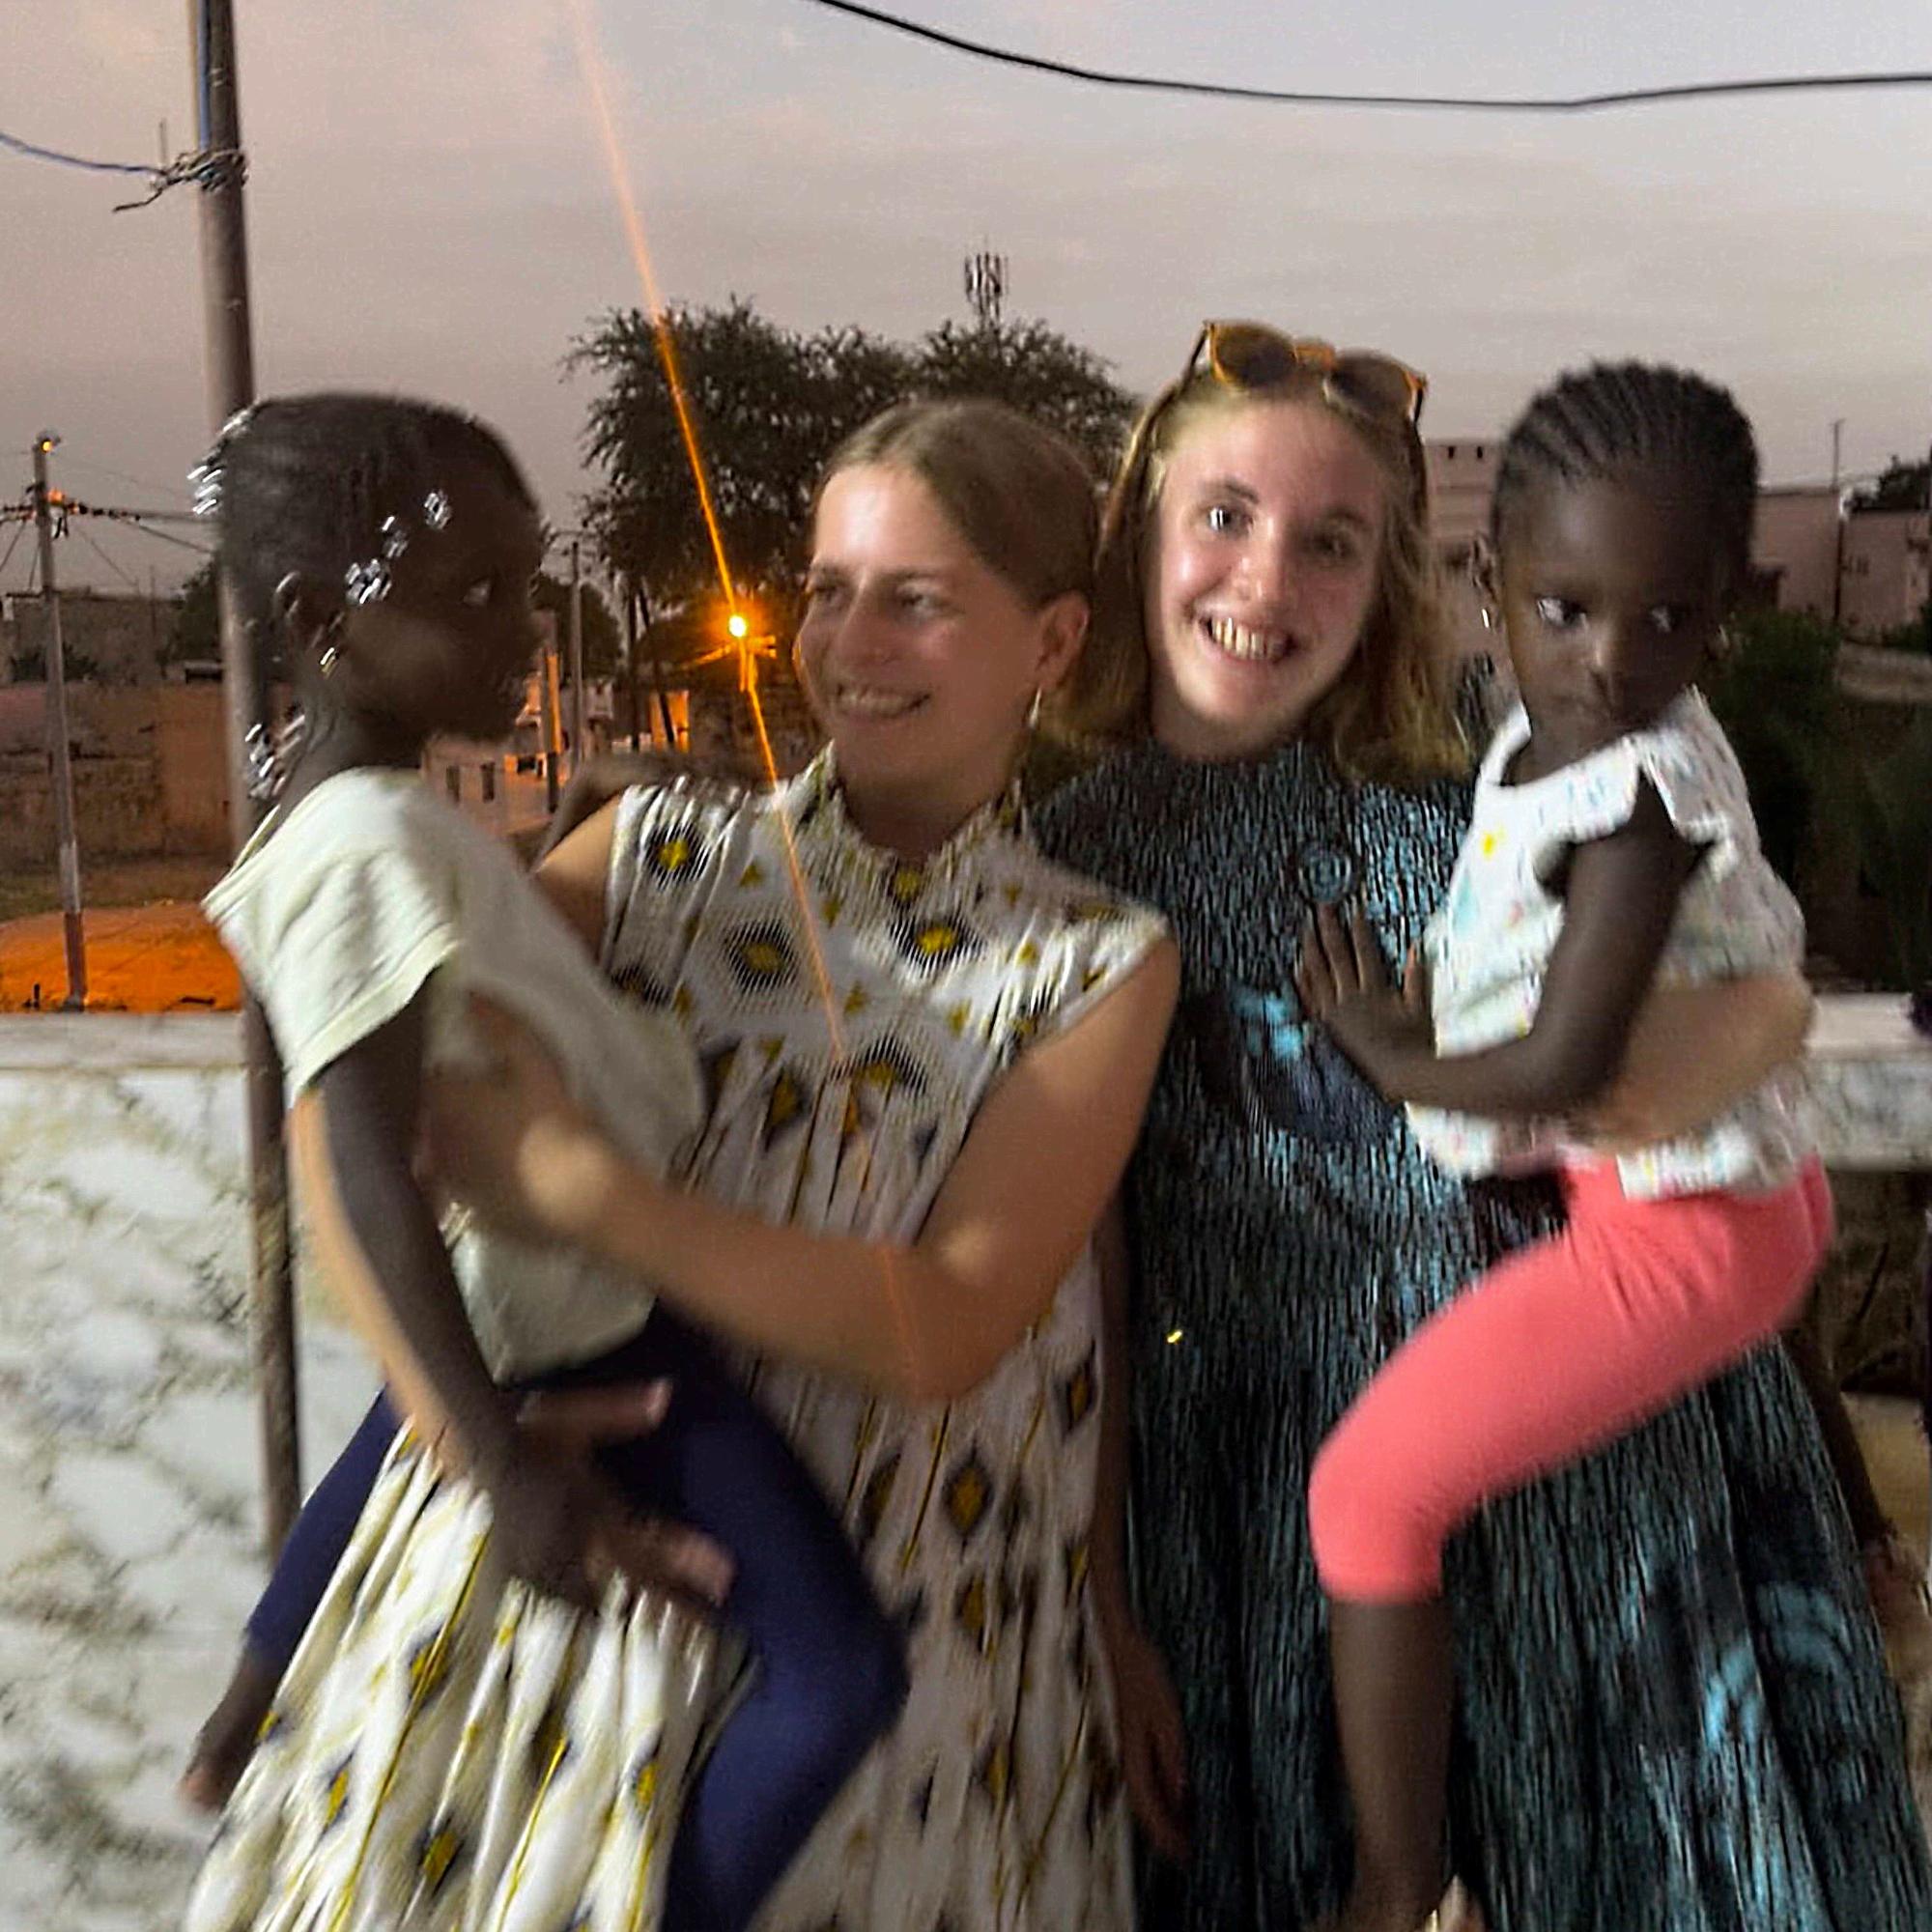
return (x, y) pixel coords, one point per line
(230, 351)
(60, 758)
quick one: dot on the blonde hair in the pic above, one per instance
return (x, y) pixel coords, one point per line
(1389, 716)
(1020, 494)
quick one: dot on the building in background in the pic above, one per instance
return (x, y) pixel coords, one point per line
(1887, 581)
(109, 637)
(1794, 540)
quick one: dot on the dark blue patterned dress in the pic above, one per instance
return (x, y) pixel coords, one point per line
(1673, 1711)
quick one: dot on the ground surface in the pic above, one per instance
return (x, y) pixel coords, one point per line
(147, 948)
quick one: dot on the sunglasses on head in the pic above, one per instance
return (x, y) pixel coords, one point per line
(1250, 355)
(1363, 382)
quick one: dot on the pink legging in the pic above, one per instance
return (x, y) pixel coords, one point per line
(1554, 1353)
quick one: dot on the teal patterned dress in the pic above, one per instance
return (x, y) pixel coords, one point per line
(1673, 1711)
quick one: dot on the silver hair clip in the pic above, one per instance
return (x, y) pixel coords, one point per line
(206, 479)
(435, 509)
(368, 582)
(208, 476)
(270, 760)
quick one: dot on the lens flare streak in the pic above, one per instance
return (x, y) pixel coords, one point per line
(590, 63)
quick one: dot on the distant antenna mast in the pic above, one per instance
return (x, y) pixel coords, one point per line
(987, 286)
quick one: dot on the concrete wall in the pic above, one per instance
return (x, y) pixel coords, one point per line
(129, 1476)
(117, 809)
(118, 639)
(176, 800)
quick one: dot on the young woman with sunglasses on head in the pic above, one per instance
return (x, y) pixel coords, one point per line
(1672, 1710)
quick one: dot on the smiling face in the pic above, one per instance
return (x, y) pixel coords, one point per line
(918, 658)
(447, 650)
(1611, 593)
(1264, 554)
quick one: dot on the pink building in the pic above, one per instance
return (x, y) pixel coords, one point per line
(1795, 548)
(1887, 581)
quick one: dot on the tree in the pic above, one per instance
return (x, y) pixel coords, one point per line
(196, 630)
(1892, 818)
(1775, 695)
(768, 407)
(1902, 487)
(30, 666)
(603, 647)
(1039, 372)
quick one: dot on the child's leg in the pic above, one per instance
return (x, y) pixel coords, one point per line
(1554, 1351)
(316, 1539)
(830, 1676)
(307, 1560)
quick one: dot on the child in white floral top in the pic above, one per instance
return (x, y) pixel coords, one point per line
(1612, 846)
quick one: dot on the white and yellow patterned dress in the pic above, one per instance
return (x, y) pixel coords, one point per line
(847, 1054)
(449, 1754)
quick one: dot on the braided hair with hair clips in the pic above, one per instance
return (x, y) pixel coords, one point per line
(1613, 420)
(304, 484)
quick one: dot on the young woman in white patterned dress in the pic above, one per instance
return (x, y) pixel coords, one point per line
(928, 1052)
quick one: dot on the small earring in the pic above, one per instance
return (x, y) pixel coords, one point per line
(1032, 712)
(1489, 618)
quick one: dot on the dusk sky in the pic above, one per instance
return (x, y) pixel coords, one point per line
(430, 210)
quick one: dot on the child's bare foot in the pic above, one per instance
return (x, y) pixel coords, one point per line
(227, 1740)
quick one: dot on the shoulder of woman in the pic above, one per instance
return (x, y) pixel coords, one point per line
(1088, 818)
(677, 825)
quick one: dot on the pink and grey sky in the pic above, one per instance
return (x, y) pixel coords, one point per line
(430, 210)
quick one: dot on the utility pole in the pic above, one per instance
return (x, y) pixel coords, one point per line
(60, 765)
(230, 350)
(550, 711)
(577, 738)
(630, 595)
(1837, 525)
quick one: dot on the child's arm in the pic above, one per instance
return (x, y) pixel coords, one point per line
(1695, 1052)
(926, 1319)
(1619, 901)
(378, 1243)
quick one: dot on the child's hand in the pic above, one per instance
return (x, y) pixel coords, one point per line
(563, 1529)
(1345, 987)
(654, 1553)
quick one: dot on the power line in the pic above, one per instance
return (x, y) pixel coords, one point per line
(39, 154)
(145, 528)
(136, 520)
(120, 475)
(205, 167)
(123, 575)
(1574, 103)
